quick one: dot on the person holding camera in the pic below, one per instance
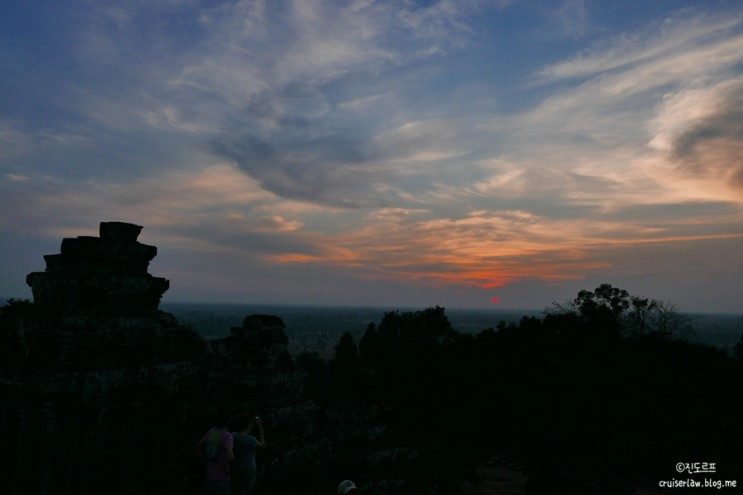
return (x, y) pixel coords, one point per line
(244, 446)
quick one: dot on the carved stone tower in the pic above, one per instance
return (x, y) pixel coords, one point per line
(98, 306)
(104, 275)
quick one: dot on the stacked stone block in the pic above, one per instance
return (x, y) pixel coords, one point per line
(104, 275)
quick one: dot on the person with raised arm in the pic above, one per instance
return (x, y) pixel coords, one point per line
(245, 444)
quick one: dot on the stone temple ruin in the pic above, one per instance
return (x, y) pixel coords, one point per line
(92, 371)
(104, 275)
(98, 305)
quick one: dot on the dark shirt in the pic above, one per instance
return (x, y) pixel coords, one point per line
(244, 446)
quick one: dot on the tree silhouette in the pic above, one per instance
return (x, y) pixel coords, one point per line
(345, 368)
(603, 308)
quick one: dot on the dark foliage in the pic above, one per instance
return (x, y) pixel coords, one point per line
(591, 397)
(15, 316)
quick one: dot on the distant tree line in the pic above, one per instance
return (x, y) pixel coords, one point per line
(595, 394)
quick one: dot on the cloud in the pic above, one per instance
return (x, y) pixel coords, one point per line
(653, 108)
(360, 102)
(200, 211)
(296, 93)
(486, 249)
(483, 249)
(297, 137)
(441, 23)
(13, 142)
(297, 148)
(15, 178)
(702, 132)
(573, 18)
(660, 40)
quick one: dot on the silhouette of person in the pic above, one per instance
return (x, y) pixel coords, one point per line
(245, 471)
(216, 450)
(347, 487)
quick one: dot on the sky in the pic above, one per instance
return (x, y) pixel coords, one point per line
(484, 154)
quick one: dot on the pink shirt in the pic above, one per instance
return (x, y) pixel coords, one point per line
(218, 468)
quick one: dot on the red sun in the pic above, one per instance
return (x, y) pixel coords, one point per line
(494, 300)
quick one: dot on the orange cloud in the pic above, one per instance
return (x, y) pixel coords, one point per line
(292, 258)
(484, 249)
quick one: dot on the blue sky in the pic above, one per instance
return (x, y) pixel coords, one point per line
(382, 152)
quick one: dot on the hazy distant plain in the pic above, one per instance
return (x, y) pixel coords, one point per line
(318, 328)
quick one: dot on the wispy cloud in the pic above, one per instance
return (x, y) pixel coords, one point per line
(485, 249)
(296, 138)
(653, 122)
(573, 18)
(659, 40)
